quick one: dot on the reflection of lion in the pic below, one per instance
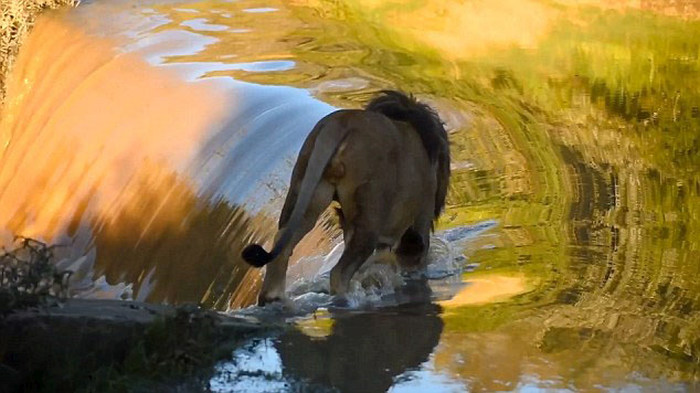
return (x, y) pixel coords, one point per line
(388, 166)
(365, 352)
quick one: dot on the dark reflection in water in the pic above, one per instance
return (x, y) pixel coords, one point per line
(184, 238)
(364, 351)
(347, 351)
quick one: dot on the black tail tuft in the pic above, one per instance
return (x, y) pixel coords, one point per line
(256, 256)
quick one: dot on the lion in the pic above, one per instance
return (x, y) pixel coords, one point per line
(388, 167)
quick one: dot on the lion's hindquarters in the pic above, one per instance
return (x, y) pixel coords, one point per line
(389, 188)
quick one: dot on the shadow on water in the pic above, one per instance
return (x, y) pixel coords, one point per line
(573, 125)
(352, 352)
(364, 352)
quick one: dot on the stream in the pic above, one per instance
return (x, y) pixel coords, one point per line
(154, 140)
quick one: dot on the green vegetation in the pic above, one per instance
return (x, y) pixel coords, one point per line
(28, 277)
(176, 349)
(179, 350)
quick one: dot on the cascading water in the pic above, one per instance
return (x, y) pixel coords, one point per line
(139, 172)
(143, 172)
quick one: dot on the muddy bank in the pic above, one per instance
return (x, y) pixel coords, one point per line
(109, 345)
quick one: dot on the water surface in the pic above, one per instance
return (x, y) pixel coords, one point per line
(160, 141)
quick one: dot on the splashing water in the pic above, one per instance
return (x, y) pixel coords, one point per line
(379, 282)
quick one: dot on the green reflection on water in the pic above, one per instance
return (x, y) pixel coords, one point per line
(582, 139)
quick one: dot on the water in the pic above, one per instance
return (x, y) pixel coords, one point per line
(566, 259)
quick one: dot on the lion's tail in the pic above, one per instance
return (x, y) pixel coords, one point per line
(325, 147)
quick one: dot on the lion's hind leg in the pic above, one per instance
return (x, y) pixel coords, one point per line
(412, 251)
(360, 247)
(276, 271)
(362, 207)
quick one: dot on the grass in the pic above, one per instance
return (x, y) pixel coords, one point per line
(16, 20)
(174, 352)
(177, 351)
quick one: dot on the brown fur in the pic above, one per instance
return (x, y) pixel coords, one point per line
(387, 166)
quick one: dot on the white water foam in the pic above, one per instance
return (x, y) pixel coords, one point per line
(379, 283)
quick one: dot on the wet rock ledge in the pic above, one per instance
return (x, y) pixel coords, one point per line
(110, 345)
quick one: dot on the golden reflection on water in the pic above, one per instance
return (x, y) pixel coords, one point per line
(71, 144)
(473, 27)
(95, 145)
(489, 288)
(318, 325)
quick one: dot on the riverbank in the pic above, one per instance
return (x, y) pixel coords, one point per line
(110, 345)
(16, 20)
